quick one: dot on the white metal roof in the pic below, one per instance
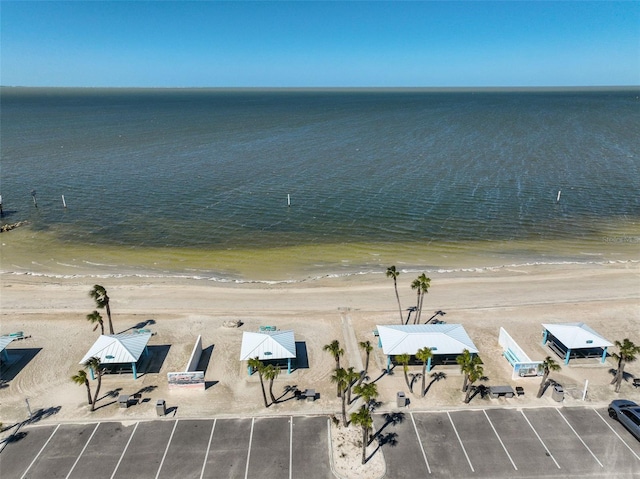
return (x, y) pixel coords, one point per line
(4, 342)
(268, 345)
(441, 338)
(118, 348)
(577, 335)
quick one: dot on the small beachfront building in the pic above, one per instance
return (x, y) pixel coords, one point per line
(269, 345)
(119, 351)
(4, 342)
(574, 340)
(446, 341)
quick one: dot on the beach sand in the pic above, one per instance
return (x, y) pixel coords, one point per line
(52, 311)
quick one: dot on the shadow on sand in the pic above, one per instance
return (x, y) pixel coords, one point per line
(18, 359)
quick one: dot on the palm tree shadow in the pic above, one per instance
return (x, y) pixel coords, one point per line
(438, 376)
(105, 405)
(15, 437)
(414, 378)
(482, 390)
(626, 377)
(547, 384)
(110, 394)
(43, 414)
(146, 389)
(383, 373)
(140, 325)
(289, 389)
(389, 439)
(389, 418)
(437, 313)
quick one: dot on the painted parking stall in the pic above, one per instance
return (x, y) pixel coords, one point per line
(498, 443)
(103, 452)
(187, 450)
(505, 443)
(17, 456)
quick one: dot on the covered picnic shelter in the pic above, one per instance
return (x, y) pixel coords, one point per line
(119, 349)
(446, 341)
(268, 345)
(4, 342)
(569, 340)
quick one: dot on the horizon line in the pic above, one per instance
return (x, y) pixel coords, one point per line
(342, 88)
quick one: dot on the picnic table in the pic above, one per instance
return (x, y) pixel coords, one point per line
(497, 391)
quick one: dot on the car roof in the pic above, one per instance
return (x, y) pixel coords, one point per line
(625, 403)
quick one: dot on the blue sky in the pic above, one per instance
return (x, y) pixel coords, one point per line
(319, 44)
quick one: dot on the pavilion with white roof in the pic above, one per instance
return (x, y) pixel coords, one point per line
(444, 340)
(268, 346)
(120, 348)
(577, 339)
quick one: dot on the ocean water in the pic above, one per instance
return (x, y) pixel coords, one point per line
(197, 182)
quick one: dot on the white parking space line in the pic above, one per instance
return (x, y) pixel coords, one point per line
(460, 441)
(540, 439)
(290, 446)
(166, 449)
(246, 472)
(424, 454)
(125, 450)
(82, 452)
(206, 456)
(614, 431)
(39, 452)
(578, 436)
(501, 443)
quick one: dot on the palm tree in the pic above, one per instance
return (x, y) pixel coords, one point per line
(547, 365)
(415, 285)
(257, 365)
(341, 378)
(424, 354)
(271, 372)
(628, 353)
(363, 419)
(392, 272)
(467, 362)
(475, 372)
(99, 294)
(421, 284)
(93, 363)
(334, 348)
(367, 348)
(367, 391)
(352, 376)
(404, 360)
(95, 318)
(81, 379)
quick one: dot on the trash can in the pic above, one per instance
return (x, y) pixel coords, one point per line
(123, 401)
(558, 393)
(401, 399)
(161, 408)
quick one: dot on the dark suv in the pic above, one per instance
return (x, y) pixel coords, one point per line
(628, 413)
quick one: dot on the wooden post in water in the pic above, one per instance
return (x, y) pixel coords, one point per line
(558, 198)
(288, 200)
(64, 203)
(1, 213)
(33, 193)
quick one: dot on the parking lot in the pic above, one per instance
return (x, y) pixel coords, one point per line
(541, 442)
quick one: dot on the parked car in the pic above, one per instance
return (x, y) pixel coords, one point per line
(628, 414)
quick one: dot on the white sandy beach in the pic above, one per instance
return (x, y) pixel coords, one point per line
(52, 312)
